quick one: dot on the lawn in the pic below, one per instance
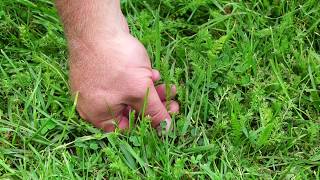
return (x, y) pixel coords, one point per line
(248, 80)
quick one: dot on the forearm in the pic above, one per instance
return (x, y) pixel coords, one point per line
(84, 18)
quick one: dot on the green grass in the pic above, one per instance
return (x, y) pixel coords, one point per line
(248, 77)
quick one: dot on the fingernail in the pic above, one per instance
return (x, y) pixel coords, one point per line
(168, 125)
(160, 129)
(174, 87)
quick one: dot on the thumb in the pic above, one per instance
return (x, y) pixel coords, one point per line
(154, 108)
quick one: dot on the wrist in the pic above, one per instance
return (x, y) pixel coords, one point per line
(85, 19)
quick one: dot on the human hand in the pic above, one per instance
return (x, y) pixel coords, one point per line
(112, 75)
(109, 68)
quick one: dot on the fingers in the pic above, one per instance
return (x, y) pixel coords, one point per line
(155, 75)
(110, 125)
(161, 89)
(163, 94)
(172, 106)
(123, 122)
(154, 108)
(126, 111)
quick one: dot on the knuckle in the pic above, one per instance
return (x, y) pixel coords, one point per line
(90, 105)
(141, 92)
(158, 115)
(140, 89)
(82, 114)
(156, 110)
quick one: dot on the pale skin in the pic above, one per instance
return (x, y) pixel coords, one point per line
(110, 70)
